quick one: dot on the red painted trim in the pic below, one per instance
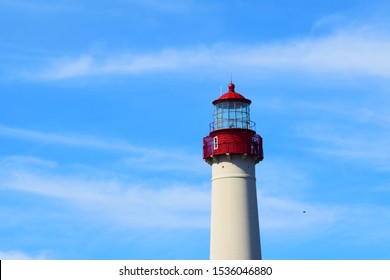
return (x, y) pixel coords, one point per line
(234, 141)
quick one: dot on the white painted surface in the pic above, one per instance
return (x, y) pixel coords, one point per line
(235, 233)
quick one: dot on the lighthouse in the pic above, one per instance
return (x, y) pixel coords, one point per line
(233, 148)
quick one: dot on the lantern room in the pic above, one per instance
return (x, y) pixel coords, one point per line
(232, 131)
(231, 110)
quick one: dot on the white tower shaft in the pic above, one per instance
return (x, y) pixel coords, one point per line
(234, 215)
(233, 149)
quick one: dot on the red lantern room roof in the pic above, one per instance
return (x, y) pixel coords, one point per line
(231, 95)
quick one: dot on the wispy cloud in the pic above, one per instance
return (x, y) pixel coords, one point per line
(280, 214)
(62, 139)
(167, 204)
(17, 255)
(25, 161)
(348, 126)
(351, 52)
(346, 143)
(286, 211)
(79, 67)
(298, 220)
(142, 203)
(136, 156)
(282, 200)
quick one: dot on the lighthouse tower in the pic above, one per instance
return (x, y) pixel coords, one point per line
(233, 149)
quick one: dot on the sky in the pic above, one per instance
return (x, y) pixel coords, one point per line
(104, 104)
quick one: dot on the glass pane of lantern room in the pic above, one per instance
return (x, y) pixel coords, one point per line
(225, 115)
(238, 114)
(246, 116)
(219, 115)
(234, 115)
(230, 114)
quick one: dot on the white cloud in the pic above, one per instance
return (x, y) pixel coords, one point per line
(346, 52)
(167, 202)
(73, 140)
(360, 224)
(17, 255)
(286, 211)
(27, 161)
(79, 67)
(143, 203)
(171, 204)
(135, 156)
(347, 126)
(281, 214)
(341, 53)
(282, 187)
(348, 143)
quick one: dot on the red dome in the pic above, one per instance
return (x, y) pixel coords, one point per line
(231, 95)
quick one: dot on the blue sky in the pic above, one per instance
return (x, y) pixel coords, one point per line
(104, 105)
